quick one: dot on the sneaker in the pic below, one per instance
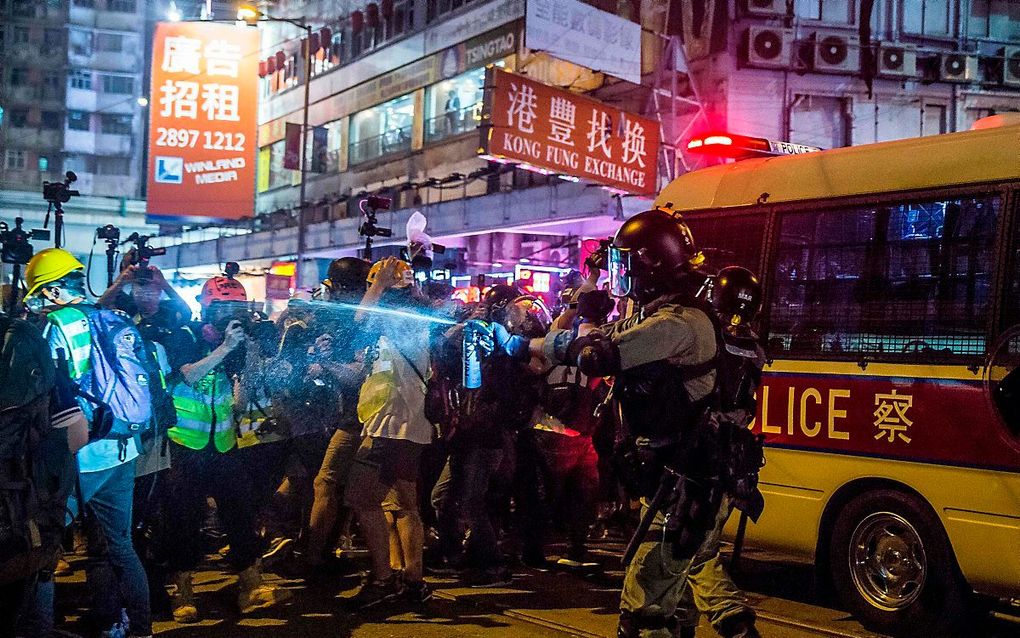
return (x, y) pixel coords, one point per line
(488, 578)
(375, 592)
(253, 593)
(279, 548)
(182, 598)
(417, 592)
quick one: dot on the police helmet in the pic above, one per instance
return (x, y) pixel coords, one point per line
(528, 316)
(497, 297)
(651, 255)
(736, 296)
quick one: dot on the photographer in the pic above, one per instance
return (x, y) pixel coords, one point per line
(143, 293)
(204, 358)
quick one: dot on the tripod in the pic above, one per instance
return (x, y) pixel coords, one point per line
(111, 251)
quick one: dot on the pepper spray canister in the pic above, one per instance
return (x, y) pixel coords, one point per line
(472, 356)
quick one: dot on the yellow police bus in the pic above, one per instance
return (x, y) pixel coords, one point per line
(892, 280)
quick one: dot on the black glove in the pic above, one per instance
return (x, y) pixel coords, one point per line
(594, 305)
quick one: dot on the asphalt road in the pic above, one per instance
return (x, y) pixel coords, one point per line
(537, 604)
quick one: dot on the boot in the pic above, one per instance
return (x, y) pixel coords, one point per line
(253, 594)
(182, 598)
(740, 625)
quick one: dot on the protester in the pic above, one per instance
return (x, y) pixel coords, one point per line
(203, 358)
(102, 352)
(385, 469)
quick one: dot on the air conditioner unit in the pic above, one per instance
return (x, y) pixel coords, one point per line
(897, 60)
(766, 7)
(958, 67)
(1010, 65)
(836, 52)
(769, 47)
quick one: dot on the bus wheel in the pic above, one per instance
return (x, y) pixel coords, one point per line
(892, 564)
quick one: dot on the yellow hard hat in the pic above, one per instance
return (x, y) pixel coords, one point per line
(48, 266)
(404, 273)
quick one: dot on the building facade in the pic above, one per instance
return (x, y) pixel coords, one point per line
(71, 79)
(397, 88)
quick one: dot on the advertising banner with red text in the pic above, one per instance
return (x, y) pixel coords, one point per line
(556, 131)
(203, 112)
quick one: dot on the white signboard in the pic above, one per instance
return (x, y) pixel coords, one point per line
(577, 32)
(471, 23)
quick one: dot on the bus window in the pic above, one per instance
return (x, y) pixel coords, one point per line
(729, 240)
(907, 279)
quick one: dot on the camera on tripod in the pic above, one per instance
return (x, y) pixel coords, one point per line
(60, 192)
(14, 243)
(370, 207)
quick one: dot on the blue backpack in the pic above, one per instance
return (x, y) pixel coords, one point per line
(117, 380)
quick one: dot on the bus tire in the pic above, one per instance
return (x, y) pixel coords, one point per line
(893, 566)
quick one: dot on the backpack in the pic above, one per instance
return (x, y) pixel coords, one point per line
(117, 379)
(36, 469)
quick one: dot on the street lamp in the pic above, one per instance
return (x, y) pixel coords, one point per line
(251, 16)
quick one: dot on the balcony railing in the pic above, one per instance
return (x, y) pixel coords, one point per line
(453, 123)
(392, 141)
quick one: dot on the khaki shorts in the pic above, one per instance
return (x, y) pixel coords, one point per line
(384, 473)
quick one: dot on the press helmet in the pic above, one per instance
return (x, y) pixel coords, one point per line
(222, 289)
(347, 274)
(650, 255)
(736, 296)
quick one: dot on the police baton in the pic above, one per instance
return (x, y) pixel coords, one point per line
(670, 483)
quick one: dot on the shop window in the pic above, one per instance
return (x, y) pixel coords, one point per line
(904, 280)
(381, 130)
(454, 106)
(78, 120)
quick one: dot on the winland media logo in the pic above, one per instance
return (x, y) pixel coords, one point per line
(215, 171)
(169, 170)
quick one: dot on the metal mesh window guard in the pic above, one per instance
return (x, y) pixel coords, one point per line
(912, 280)
(729, 240)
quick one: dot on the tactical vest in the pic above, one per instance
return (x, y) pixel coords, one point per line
(205, 413)
(73, 323)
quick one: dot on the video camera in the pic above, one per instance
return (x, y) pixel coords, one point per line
(60, 192)
(14, 243)
(369, 207)
(143, 252)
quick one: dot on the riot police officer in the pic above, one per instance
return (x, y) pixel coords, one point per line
(664, 360)
(735, 295)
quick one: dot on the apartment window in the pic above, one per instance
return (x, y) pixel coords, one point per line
(80, 42)
(995, 19)
(15, 160)
(78, 79)
(80, 163)
(819, 121)
(23, 8)
(78, 120)
(52, 83)
(21, 35)
(19, 77)
(110, 42)
(121, 6)
(54, 37)
(116, 124)
(52, 119)
(88, 4)
(926, 17)
(113, 166)
(122, 84)
(436, 9)
(19, 118)
(837, 11)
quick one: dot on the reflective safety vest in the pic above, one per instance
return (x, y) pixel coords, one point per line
(73, 323)
(205, 413)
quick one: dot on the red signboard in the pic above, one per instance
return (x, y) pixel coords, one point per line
(556, 131)
(202, 121)
(927, 420)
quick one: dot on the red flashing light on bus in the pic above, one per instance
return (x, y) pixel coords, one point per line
(743, 146)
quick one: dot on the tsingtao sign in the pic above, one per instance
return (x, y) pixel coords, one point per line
(556, 131)
(202, 121)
